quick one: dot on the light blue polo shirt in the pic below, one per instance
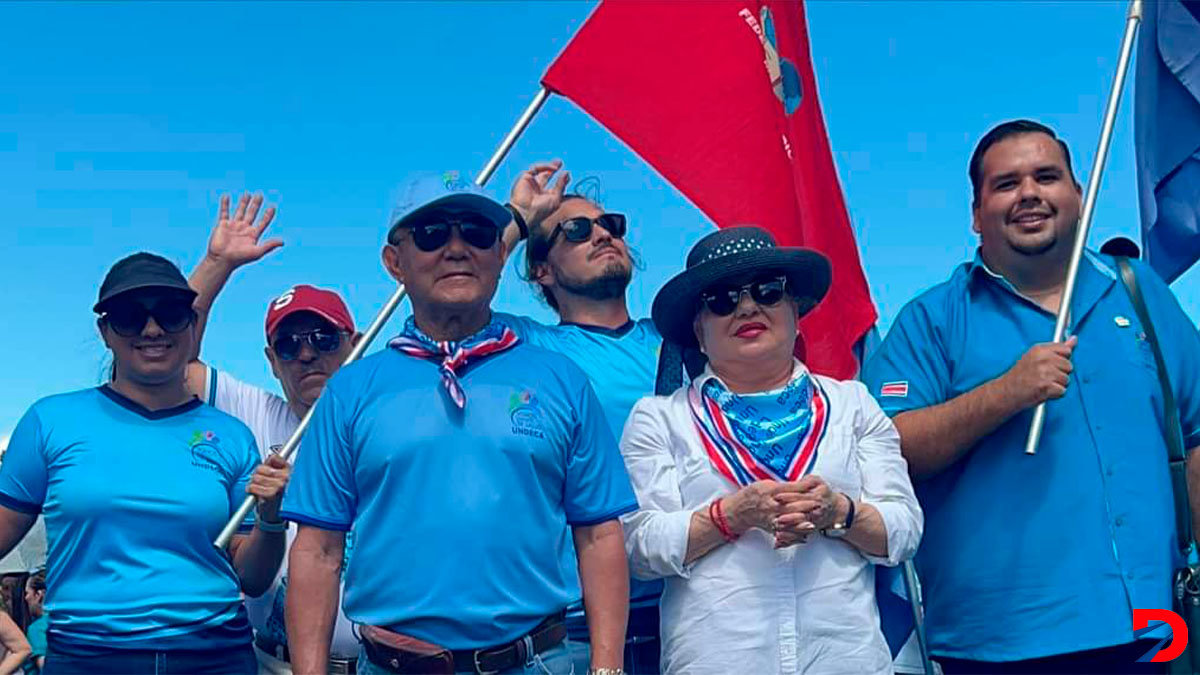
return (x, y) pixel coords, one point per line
(462, 519)
(133, 499)
(1029, 556)
(622, 365)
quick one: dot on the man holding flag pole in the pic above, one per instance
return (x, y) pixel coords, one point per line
(1036, 563)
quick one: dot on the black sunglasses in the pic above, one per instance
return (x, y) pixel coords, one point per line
(723, 300)
(322, 340)
(129, 319)
(432, 233)
(579, 229)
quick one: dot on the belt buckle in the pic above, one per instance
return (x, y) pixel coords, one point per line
(478, 668)
(340, 666)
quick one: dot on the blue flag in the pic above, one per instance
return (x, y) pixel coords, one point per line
(1167, 134)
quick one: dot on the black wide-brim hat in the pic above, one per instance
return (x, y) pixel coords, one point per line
(733, 253)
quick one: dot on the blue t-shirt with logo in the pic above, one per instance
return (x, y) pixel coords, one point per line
(622, 365)
(133, 499)
(462, 518)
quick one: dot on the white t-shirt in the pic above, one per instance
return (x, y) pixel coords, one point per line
(272, 422)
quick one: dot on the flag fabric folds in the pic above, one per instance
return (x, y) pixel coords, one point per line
(719, 96)
(1167, 134)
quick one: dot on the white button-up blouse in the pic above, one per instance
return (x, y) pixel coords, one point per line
(746, 607)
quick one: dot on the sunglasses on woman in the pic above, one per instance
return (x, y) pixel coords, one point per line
(322, 340)
(432, 233)
(579, 229)
(129, 319)
(723, 300)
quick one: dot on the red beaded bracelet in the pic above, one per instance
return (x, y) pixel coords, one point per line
(716, 513)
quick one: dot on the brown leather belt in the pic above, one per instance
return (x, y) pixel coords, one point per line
(424, 657)
(546, 635)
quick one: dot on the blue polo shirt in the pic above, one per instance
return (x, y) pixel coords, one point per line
(622, 365)
(462, 519)
(133, 499)
(1029, 556)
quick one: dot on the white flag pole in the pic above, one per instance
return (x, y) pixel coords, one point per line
(1089, 203)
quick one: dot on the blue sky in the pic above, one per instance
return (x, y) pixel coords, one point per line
(121, 125)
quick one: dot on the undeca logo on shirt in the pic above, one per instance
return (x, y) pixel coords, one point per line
(526, 414)
(205, 447)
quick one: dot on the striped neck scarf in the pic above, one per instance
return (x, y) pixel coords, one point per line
(454, 357)
(771, 435)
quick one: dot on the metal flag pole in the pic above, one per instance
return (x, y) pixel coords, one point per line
(1089, 203)
(289, 448)
(914, 596)
(522, 123)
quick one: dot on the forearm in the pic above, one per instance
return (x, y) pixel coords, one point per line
(256, 560)
(313, 578)
(604, 575)
(12, 661)
(933, 438)
(703, 536)
(15, 645)
(209, 277)
(1193, 481)
(868, 533)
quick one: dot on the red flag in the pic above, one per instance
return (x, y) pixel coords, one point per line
(719, 97)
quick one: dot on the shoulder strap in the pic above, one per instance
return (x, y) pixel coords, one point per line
(1176, 457)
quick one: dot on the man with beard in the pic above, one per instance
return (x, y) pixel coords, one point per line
(578, 256)
(1036, 563)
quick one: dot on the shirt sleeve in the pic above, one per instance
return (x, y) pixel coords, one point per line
(911, 369)
(23, 473)
(597, 486)
(886, 484)
(1180, 344)
(656, 535)
(321, 491)
(37, 638)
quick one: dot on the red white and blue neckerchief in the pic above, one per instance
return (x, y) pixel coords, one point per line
(454, 357)
(764, 436)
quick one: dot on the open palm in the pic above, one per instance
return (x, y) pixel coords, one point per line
(235, 240)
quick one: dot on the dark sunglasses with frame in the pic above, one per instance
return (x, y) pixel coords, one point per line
(579, 229)
(433, 231)
(767, 291)
(129, 319)
(323, 341)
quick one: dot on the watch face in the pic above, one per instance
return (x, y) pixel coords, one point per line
(835, 532)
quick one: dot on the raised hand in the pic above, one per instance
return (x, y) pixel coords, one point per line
(235, 239)
(532, 194)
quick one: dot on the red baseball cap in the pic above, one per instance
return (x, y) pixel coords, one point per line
(304, 298)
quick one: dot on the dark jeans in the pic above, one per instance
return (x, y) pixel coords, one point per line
(1119, 659)
(228, 661)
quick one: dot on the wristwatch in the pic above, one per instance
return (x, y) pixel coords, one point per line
(606, 671)
(839, 530)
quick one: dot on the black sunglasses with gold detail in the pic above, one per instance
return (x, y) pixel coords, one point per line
(723, 300)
